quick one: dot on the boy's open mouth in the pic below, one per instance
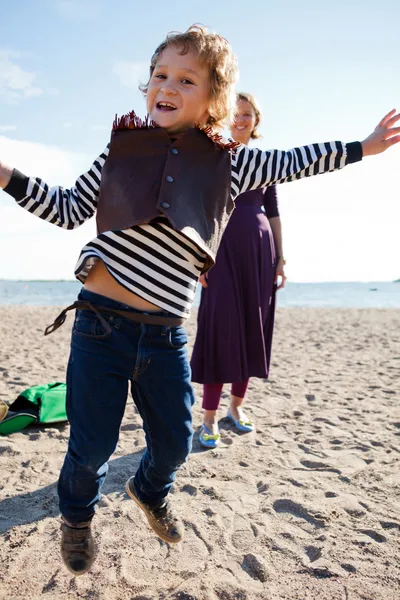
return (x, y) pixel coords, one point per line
(165, 106)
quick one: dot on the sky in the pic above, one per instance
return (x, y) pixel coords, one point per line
(321, 71)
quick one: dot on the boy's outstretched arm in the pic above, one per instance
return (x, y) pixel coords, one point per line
(253, 168)
(66, 208)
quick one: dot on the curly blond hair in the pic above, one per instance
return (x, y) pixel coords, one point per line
(216, 52)
(255, 134)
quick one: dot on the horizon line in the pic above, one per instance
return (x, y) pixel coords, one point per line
(289, 282)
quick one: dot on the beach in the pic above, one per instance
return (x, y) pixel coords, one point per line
(306, 507)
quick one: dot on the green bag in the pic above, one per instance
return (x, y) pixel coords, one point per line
(37, 404)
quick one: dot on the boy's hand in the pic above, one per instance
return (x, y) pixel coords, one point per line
(384, 136)
(5, 175)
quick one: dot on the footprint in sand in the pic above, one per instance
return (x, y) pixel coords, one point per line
(130, 427)
(262, 487)
(211, 492)
(51, 584)
(348, 567)
(374, 535)
(255, 567)
(316, 430)
(397, 425)
(285, 505)
(181, 595)
(318, 466)
(313, 553)
(295, 482)
(307, 450)
(323, 420)
(199, 538)
(390, 525)
(331, 495)
(189, 489)
(9, 450)
(226, 438)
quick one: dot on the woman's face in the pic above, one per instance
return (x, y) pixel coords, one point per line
(244, 123)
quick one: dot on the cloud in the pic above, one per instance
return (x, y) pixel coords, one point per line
(15, 82)
(35, 249)
(343, 226)
(55, 165)
(131, 74)
(5, 128)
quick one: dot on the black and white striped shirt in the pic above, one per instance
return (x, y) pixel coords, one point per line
(153, 260)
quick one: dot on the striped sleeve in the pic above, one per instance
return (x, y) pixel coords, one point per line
(66, 208)
(253, 168)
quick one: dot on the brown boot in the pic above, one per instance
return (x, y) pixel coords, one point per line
(77, 546)
(162, 518)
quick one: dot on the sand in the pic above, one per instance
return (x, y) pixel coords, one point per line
(306, 507)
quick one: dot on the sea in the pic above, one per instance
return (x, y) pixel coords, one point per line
(380, 294)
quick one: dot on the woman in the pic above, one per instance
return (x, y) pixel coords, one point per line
(236, 314)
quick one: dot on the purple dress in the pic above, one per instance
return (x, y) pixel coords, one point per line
(236, 313)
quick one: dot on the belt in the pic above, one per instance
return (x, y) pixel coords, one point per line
(139, 317)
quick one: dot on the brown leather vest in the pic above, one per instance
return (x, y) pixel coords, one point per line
(188, 180)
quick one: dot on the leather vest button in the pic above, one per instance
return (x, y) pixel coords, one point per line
(169, 178)
(174, 151)
(164, 205)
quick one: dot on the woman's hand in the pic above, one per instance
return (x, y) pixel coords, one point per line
(203, 280)
(384, 135)
(280, 272)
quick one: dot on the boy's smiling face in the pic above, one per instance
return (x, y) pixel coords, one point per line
(179, 91)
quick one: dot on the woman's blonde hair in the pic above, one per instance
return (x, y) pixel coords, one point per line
(255, 134)
(216, 52)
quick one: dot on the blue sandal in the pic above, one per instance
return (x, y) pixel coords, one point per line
(244, 425)
(208, 439)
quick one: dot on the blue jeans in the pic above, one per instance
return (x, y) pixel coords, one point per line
(153, 360)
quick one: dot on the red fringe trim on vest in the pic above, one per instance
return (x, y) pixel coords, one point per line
(218, 139)
(132, 121)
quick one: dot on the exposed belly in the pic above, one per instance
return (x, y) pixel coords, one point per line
(101, 282)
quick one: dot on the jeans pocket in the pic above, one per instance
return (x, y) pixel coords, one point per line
(88, 324)
(177, 337)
